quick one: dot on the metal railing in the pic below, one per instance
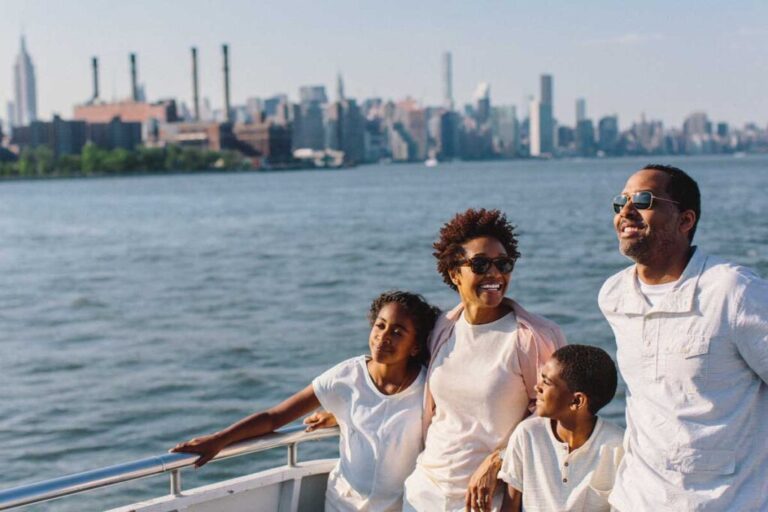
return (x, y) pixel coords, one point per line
(171, 463)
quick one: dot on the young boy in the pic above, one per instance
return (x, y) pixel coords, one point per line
(565, 458)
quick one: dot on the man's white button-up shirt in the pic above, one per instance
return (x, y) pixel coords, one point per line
(696, 368)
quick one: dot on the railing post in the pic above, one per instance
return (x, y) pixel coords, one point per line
(176, 482)
(293, 455)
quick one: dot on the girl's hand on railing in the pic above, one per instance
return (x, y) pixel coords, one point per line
(205, 446)
(320, 419)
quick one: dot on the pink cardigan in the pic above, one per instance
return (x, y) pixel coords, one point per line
(537, 337)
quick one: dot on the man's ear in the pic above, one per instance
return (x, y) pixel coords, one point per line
(687, 221)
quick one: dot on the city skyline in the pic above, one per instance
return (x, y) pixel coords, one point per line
(613, 68)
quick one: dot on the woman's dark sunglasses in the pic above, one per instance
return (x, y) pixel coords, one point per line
(481, 264)
(640, 200)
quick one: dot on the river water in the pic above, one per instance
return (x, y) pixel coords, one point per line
(138, 312)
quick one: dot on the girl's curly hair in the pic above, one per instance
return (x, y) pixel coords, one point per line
(423, 315)
(467, 226)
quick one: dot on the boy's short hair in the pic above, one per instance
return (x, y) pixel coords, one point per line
(423, 315)
(589, 370)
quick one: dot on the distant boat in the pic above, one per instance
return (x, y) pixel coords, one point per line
(430, 162)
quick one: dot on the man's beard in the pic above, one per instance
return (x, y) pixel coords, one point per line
(646, 249)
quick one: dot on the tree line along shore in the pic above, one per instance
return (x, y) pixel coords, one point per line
(41, 162)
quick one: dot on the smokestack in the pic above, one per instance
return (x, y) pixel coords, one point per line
(227, 107)
(95, 65)
(195, 97)
(134, 85)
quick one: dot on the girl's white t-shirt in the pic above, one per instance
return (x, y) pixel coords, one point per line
(551, 478)
(380, 437)
(480, 397)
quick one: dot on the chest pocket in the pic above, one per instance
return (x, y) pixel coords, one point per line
(686, 357)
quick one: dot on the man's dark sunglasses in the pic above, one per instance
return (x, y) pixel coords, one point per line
(640, 200)
(481, 264)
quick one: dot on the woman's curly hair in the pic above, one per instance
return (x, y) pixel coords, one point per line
(423, 315)
(467, 226)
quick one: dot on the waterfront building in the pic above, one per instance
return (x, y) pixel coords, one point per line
(272, 104)
(546, 89)
(60, 136)
(268, 140)
(608, 135)
(24, 88)
(163, 111)
(309, 129)
(646, 137)
(402, 145)
(115, 134)
(506, 131)
(345, 129)
(585, 138)
(412, 117)
(475, 142)
(581, 110)
(697, 124)
(149, 115)
(10, 110)
(542, 123)
(534, 128)
(448, 81)
(339, 88)
(448, 142)
(482, 103)
(375, 140)
(208, 135)
(254, 108)
(566, 138)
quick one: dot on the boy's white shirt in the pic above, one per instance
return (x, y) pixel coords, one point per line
(551, 479)
(380, 437)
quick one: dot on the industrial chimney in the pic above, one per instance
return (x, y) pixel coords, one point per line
(195, 97)
(227, 107)
(95, 65)
(134, 84)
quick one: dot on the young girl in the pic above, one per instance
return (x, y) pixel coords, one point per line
(377, 402)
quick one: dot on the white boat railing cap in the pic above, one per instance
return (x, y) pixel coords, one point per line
(165, 463)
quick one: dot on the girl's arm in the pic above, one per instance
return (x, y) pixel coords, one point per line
(254, 425)
(513, 500)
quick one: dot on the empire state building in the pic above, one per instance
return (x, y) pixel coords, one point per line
(25, 89)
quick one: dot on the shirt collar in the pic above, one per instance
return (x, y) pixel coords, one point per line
(630, 300)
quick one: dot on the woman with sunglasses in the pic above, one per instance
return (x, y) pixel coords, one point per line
(486, 355)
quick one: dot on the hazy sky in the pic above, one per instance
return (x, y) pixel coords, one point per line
(665, 58)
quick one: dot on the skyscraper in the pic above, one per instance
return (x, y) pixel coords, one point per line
(447, 81)
(542, 123)
(339, 88)
(309, 131)
(581, 110)
(482, 103)
(546, 89)
(25, 89)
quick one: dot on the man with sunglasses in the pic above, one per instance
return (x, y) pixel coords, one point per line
(692, 346)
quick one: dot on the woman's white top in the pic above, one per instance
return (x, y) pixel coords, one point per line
(551, 478)
(380, 437)
(480, 396)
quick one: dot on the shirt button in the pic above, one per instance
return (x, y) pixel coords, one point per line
(566, 464)
(565, 480)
